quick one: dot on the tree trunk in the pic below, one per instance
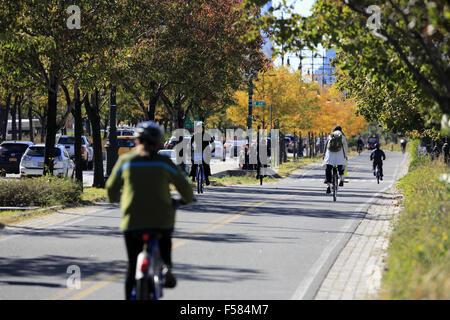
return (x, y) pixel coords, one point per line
(13, 119)
(30, 120)
(93, 111)
(152, 107)
(19, 114)
(4, 122)
(78, 133)
(51, 122)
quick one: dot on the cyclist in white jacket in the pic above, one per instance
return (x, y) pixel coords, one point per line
(335, 155)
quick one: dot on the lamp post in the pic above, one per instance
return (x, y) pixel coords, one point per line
(250, 104)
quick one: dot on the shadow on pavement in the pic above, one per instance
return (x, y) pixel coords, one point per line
(54, 267)
(215, 273)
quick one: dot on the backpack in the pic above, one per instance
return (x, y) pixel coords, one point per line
(335, 143)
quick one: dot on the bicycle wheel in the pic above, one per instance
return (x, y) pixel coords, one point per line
(335, 184)
(156, 289)
(202, 173)
(378, 175)
(199, 178)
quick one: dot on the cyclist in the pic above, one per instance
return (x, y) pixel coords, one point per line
(360, 144)
(378, 156)
(446, 151)
(403, 144)
(335, 155)
(144, 176)
(205, 144)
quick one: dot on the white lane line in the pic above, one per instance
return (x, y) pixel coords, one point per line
(308, 280)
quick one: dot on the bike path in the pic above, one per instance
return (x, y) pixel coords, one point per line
(275, 241)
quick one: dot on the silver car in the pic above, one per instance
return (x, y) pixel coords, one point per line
(32, 163)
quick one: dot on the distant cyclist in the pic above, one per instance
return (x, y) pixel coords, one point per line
(360, 144)
(403, 144)
(141, 179)
(335, 155)
(446, 151)
(206, 142)
(378, 156)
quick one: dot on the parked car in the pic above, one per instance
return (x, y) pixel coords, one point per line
(125, 144)
(125, 132)
(171, 153)
(217, 150)
(10, 154)
(32, 162)
(235, 145)
(87, 152)
(169, 144)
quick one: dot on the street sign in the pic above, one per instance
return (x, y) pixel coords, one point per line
(259, 103)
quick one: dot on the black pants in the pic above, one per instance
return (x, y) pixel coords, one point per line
(206, 167)
(380, 165)
(328, 171)
(134, 244)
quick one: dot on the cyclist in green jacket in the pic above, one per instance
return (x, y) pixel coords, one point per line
(140, 180)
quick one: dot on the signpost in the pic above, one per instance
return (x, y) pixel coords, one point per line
(259, 103)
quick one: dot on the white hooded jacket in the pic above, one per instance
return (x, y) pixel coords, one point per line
(336, 158)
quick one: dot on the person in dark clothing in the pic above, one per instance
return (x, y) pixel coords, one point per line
(360, 144)
(378, 156)
(205, 144)
(446, 151)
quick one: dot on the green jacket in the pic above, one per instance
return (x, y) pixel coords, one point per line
(145, 201)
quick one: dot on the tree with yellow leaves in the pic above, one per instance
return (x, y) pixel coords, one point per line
(335, 110)
(297, 105)
(293, 101)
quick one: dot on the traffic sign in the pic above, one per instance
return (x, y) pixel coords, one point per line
(259, 103)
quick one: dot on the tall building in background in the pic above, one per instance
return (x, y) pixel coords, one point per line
(324, 72)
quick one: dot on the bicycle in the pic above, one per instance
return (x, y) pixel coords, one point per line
(378, 173)
(200, 176)
(150, 269)
(359, 150)
(259, 174)
(335, 182)
(200, 172)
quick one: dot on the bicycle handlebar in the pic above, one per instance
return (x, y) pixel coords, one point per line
(177, 202)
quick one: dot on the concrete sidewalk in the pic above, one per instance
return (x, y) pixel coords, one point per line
(356, 274)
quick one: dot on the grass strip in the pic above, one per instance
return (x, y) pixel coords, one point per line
(418, 262)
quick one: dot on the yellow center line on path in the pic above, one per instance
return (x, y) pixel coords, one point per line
(110, 279)
(214, 227)
(84, 283)
(96, 287)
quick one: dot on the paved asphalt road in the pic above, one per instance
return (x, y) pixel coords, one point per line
(275, 241)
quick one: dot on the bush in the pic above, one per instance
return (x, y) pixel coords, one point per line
(41, 191)
(419, 260)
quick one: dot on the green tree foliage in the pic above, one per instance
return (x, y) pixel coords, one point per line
(399, 74)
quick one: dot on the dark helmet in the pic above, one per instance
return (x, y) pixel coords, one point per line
(337, 128)
(377, 145)
(150, 132)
